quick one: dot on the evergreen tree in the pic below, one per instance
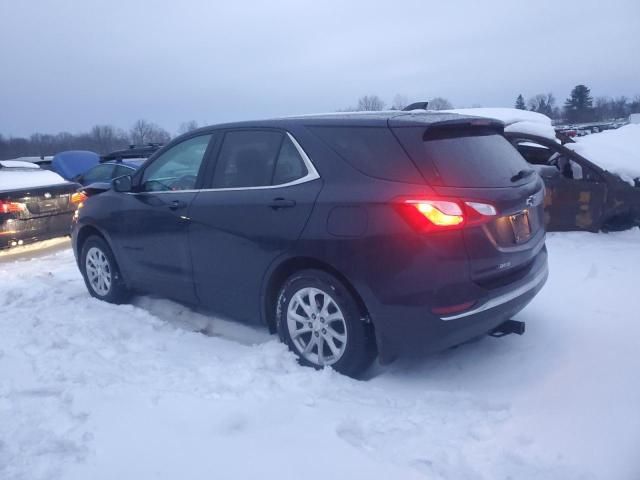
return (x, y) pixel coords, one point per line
(520, 105)
(579, 106)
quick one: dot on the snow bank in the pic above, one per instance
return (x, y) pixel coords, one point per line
(16, 175)
(90, 390)
(617, 151)
(519, 121)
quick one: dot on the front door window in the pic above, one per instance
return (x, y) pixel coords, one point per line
(177, 168)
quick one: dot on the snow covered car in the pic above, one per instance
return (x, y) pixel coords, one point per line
(581, 195)
(35, 204)
(592, 184)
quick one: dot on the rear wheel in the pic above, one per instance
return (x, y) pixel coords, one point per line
(100, 271)
(321, 323)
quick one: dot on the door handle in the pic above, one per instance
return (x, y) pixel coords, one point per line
(278, 203)
(177, 204)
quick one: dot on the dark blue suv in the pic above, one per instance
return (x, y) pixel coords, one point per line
(351, 235)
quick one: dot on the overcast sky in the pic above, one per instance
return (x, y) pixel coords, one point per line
(67, 65)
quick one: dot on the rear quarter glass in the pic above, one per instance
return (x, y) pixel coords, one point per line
(463, 157)
(373, 151)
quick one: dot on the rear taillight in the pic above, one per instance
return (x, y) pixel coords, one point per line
(434, 214)
(78, 197)
(12, 207)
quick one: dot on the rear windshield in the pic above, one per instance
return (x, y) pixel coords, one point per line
(373, 151)
(464, 157)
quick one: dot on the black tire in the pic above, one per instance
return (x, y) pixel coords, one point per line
(359, 349)
(117, 291)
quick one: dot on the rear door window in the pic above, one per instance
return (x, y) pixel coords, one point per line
(289, 166)
(458, 157)
(247, 159)
(373, 151)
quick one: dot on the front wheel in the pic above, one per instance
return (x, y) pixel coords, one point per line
(321, 323)
(100, 271)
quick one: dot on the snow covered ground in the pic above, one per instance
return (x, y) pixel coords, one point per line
(95, 391)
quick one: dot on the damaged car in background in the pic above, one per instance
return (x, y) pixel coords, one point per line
(35, 204)
(592, 183)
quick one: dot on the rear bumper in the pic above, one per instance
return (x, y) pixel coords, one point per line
(411, 331)
(34, 229)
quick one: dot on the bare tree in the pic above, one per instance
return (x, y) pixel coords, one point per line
(43, 144)
(603, 108)
(634, 105)
(439, 103)
(399, 102)
(371, 103)
(107, 138)
(542, 103)
(186, 127)
(620, 107)
(144, 132)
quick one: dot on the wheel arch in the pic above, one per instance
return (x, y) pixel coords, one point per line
(85, 232)
(280, 273)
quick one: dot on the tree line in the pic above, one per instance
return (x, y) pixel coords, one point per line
(580, 106)
(373, 103)
(101, 139)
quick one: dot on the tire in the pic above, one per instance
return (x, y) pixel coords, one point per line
(333, 324)
(101, 273)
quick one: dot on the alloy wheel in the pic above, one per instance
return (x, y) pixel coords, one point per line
(316, 326)
(98, 271)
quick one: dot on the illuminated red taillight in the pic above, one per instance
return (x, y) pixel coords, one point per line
(11, 207)
(78, 197)
(433, 214)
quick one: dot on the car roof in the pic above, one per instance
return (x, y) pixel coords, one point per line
(362, 119)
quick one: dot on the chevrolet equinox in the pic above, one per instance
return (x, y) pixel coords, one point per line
(350, 235)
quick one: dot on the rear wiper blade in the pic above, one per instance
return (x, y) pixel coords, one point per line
(522, 174)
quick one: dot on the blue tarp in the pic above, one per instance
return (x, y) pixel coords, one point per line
(74, 162)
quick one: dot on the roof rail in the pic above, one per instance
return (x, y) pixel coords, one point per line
(134, 151)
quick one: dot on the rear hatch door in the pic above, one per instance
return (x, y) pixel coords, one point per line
(472, 161)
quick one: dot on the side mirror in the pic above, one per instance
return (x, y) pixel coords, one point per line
(122, 184)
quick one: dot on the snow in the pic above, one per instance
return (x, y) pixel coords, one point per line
(156, 390)
(518, 121)
(15, 175)
(17, 164)
(617, 151)
(532, 128)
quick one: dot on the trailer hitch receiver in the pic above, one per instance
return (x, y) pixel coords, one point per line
(510, 326)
